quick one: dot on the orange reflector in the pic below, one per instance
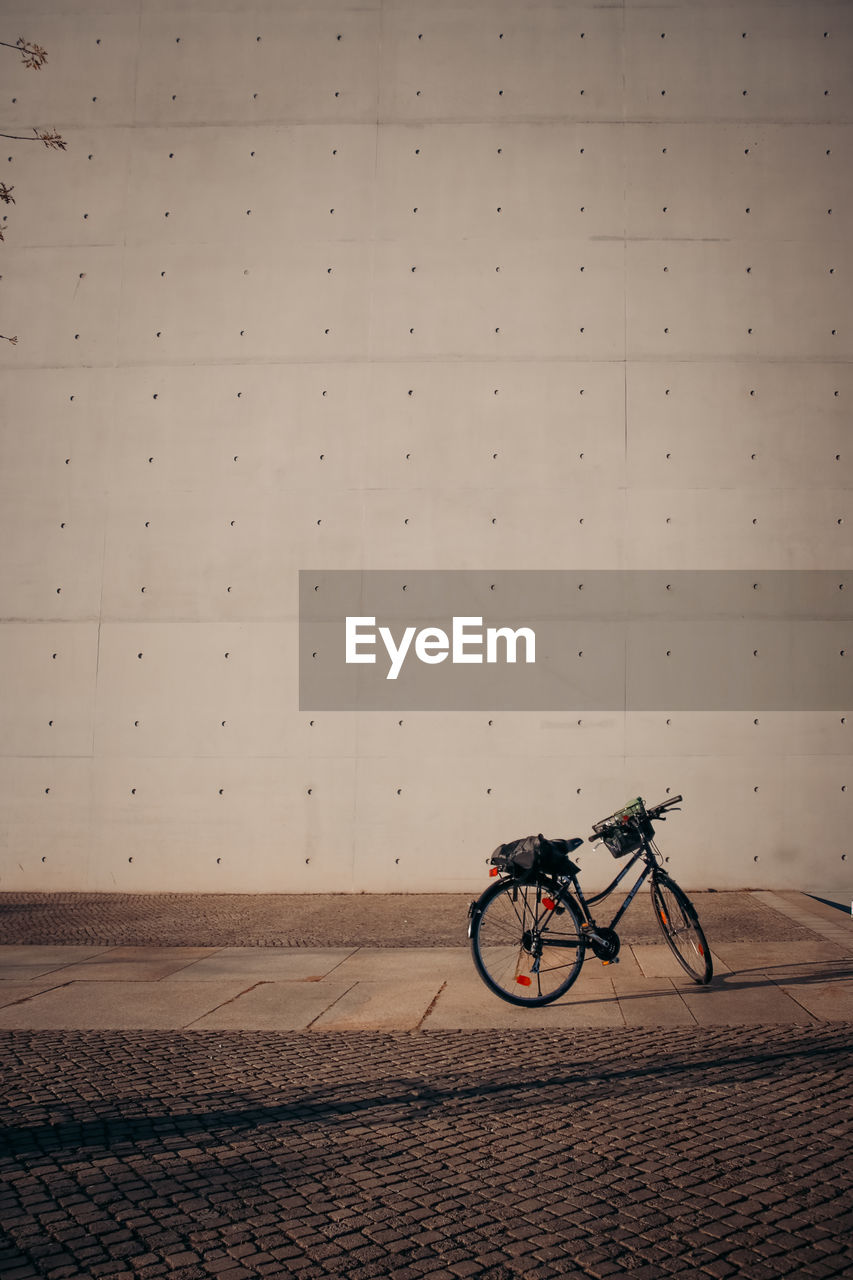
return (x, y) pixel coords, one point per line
(663, 917)
(549, 904)
(523, 980)
(494, 871)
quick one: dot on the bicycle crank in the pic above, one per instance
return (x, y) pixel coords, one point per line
(604, 943)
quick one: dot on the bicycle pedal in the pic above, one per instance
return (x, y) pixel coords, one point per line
(615, 960)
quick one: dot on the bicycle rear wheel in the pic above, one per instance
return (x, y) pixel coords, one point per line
(681, 929)
(527, 949)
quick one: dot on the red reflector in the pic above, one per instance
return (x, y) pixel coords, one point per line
(549, 904)
(523, 980)
(494, 871)
(701, 949)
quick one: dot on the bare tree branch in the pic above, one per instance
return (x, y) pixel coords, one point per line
(52, 141)
(34, 55)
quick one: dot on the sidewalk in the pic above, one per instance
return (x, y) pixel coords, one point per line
(160, 1121)
(779, 958)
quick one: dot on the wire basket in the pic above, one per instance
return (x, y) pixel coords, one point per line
(624, 831)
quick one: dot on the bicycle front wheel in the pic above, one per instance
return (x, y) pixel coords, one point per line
(527, 946)
(681, 929)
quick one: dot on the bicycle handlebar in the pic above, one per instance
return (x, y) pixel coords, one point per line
(656, 811)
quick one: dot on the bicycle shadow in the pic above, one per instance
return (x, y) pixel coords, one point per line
(803, 974)
(797, 974)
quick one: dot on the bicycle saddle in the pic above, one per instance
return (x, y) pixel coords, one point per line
(566, 846)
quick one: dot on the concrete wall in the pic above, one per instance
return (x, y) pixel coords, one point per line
(334, 285)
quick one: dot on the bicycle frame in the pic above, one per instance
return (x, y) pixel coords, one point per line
(645, 854)
(604, 935)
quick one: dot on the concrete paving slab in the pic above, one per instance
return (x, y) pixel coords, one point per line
(800, 965)
(468, 1004)
(798, 983)
(650, 1003)
(19, 963)
(655, 960)
(731, 1002)
(273, 964)
(61, 953)
(397, 989)
(118, 1006)
(12, 992)
(764, 955)
(828, 1001)
(372, 964)
(273, 1006)
(627, 963)
(32, 972)
(380, 1006)
(135, 964)
(592, 1004)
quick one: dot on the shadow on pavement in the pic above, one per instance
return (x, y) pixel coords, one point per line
(821, 973)
(549, 1154)
(400, 1098)
(791, 974)
(844, 907)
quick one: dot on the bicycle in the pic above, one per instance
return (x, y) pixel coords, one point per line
(531, 930)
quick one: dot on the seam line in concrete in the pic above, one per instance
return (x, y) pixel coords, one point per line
(343, 960)
(683, 1001)
(262, 983)
(191, 963)
(433, 1002)
(42, 992)
(103, 955)
(310, 1024)
(791, 996)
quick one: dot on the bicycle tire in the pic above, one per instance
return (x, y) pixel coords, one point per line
(681, 929)
(510, 924)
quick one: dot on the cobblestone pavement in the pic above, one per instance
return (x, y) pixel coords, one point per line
(327, 920)
(502, 1155)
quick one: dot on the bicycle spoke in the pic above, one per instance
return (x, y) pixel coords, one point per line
(512, 940)
(681, 929)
